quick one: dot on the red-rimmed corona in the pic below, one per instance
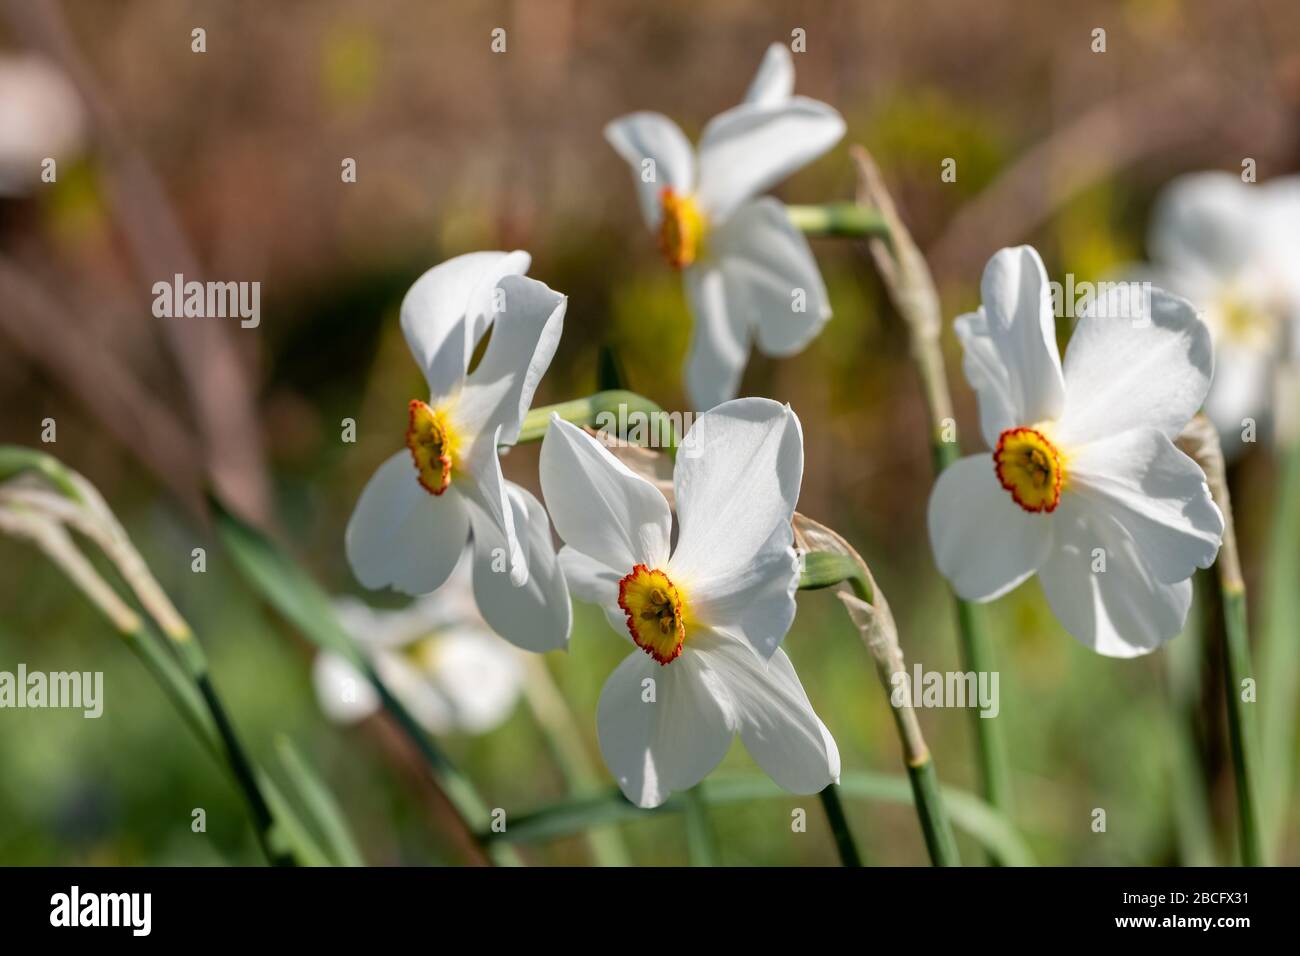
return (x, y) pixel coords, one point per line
(433, 445)
(1030, 467)
(656, 612)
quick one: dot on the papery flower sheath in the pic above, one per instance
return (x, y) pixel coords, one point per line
(747, 271)
(707, 616)
(436, 655)
(1084, 486)
(1233, 250)
(414, 517)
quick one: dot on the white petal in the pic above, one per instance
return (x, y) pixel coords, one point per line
(588, 579)
(368, 626)
(775, 718)
(485, 488)
(594, 583)
(1122, 611)
(771, 277)
(598, 505)
(736, 483)
(525, 332)
(753, 604)
(442, 313)
(1157, 493)
(1120, 373)
(988, 375)
(670, 743)
(750, 148)
(344, 694)
(1205, 223)
(483, 301)
(1017, 307)
(639, 137)
(773, 84)
(538, 615)
(415, 689)
(983, 542)
(402, 537)
(1242, 388)
(450, 606)
(480, 677)
(719, 338)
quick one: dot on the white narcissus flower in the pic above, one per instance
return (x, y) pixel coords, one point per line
(1233, 250)
(437, 656)
(1084, 486)
(414, 517)
(747, 270)
(706, 616)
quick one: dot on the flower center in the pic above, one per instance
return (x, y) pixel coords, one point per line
(1246, 322)
(422, 653)
(655, 612)
(433, 446)
(1030, 467)
(681, 229)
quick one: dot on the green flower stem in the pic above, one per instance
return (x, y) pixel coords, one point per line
(840, 219)
(565, 742)
(911, 288)
(195, 663)
(1241, 726)
(1200, 440)
(701, 844)
(246, 776)
(292, 592)
(940, 841)
(243, 771)
(977, 656)
(139, 638)
(839, 823)
(1194, 828)
(617, 407)
(825, 569)
(15, 459)
(1279, 650)
(460, 793)
(189, 703)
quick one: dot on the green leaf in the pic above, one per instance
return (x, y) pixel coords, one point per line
(289, 833)
(283, 583)
(295, 595)
(969, 813)
(320, 804)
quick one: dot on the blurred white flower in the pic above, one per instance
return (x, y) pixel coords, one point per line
(1233, 250)
(706, 616)
(415, 515)
(437, 656)
(747, 271)
(1084, 486)
(41, 117)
